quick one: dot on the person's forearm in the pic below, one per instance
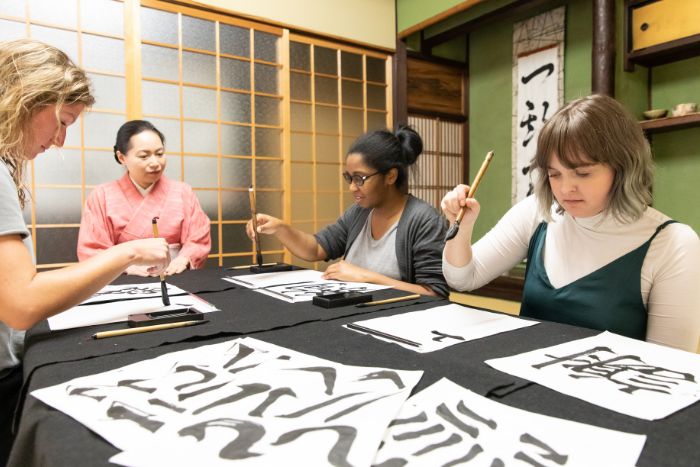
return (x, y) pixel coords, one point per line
(301, 244)
(54, 291)
(458, 251)
(376, 278)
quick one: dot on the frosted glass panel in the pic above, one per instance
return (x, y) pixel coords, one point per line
(376, 121)
(158, 26)
(376, 70)
(265, 46)
(301, 147)
(57, 245)
(58, 206)
(234, 40)
(159, 62)
(269, 202)
(200, 138)
(351, 65)
(235, 107)
(352, 122)
(267, 110)
(58, 168)
(61, 12)
(198, 34)
(376, 97)
(160, 99)
(301, 117)
(325, 60)
(266, 79)
(100, 167)
(12, 8)
(352, 94)
(235, 205)
(234, 238)
(328, 177)
(235, 74)
(174, 168)
(109, 91)
(236, 173)
(268, 174)
(347, 143)
(209, 200)
(327, 119)
(301, 86)
(300, 56)
(326, 90)
(199, 68)
(328, 206)
(302, 176)
(199, 103)
(11, 30)
(201, 172)
(103, 54)
(302, 206)
(67, 41)
(106, 16)
(327, 148)
(236, 140)
(268, 142)
(101, 129)
(171, 130)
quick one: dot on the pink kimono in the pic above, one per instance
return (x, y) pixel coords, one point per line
(116, 213)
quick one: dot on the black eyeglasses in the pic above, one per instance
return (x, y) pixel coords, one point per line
(359, 180)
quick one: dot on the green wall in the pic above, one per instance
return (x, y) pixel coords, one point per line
(676, 153)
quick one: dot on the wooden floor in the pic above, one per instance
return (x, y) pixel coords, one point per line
(497, 304)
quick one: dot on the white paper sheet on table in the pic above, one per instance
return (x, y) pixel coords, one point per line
(241, 402)
(299, 286)
(447, 423)
(132, 292)
(268, 279)
(626, 375)
(436, 328)
(117, 311)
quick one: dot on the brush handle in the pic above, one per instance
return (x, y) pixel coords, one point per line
(251, 198)
(475, 184)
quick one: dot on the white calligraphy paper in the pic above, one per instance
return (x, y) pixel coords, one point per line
(626, 375)
(240, 402)
(299, 286)
(111, 293)
(436, 328)
(114, 312)
(446, 424)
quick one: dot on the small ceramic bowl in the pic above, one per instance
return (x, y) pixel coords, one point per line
(654, 113)
(684, 109)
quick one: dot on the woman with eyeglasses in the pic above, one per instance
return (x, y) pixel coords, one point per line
(388, 236)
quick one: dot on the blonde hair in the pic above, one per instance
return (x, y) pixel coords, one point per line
(597, 129)
(33, 75)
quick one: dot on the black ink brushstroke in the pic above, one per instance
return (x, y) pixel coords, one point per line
(271, 399)
(384, 374)
(121, 411)
(338, 454)
(247, 390)
(417, 434)
(453, 439)
(249, 433)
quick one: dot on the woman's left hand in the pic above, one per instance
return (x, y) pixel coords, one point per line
(177, 265)
(344, 271)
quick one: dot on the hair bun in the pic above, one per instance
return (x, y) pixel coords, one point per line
(411, 143)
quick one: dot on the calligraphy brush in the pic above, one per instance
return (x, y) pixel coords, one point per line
(258, 253)
(163, 285)
(454, 228)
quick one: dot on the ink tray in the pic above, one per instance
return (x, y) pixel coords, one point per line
(172, 315)
(334, 300)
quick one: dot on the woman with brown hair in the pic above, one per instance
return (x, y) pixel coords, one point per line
(598, 255)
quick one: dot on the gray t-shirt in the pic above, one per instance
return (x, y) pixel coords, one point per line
(376, 255)
(11, 223)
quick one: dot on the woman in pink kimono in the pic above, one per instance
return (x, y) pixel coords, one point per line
(123, 210)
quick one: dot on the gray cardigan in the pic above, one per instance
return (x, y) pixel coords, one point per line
(419, 241)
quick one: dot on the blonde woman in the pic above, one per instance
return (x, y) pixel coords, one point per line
(598, 255)
(42, 93)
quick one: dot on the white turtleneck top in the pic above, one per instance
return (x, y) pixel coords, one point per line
(575, 247)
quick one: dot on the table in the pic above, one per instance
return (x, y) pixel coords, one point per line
(49, 437)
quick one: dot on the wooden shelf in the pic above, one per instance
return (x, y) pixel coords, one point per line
(659, 125)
